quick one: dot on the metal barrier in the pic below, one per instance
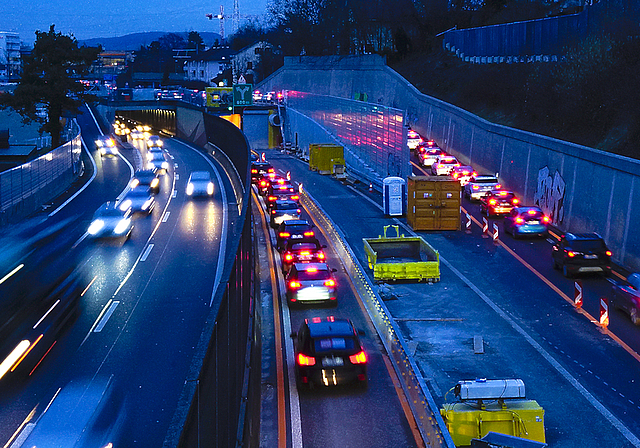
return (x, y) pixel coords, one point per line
(25, 188)
(429, 422)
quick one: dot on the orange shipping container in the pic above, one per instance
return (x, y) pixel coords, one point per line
(433, 203)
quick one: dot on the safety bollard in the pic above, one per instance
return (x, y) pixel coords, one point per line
(467, 224)
(577, 294)
(604, 312)
(370, 187)
(485, 228)
(495, 232)
(288, 175)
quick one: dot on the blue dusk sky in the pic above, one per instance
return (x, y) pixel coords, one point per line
(111, 18)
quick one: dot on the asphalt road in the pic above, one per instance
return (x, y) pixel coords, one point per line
(146, 300)
(509, 294)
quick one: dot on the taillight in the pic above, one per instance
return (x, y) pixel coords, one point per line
(288, 257)
(273, 212)
(305, 252)
(295, 197)
(519, 220)
(309, 233)
(571, 254)
(321, 255)
(330, 283)
(474, 174)
(270, 170)
(294, 284)
(358, 358)
(475, 187)
(516, 201)
(546, 219)
(285, 234)
(299, 211)
(271, 198)
(492, 201)
(304, 360)
(608, 253)
(254, 171)
(455, 175)
(498, 187)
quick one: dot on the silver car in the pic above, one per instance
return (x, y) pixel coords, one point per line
(157, 162)
(138, 200)
(479, 185)
(110, 222)
(199, 184)
(283, 210)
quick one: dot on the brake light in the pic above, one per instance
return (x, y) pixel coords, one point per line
(270, 170)
(312, 270)
(519, 220)
(281, 181)
(498, 186)
(475, 187)
(546, 219)
(533, 212)
(295, 197)
(298, 210)
(263, 183)
(331, 283)
(288, 257)
(455, 175)
(571, 254)
(516, 201)
(474, 174)
(285, 234)
(492, 202)
(309, 233)
(271, 198)
(358, 358)
(440, 165)
(321, 255)
(316, 320)
(304, 360)
(273, 212)
(305, 252)
(293, 284)
(608, 253)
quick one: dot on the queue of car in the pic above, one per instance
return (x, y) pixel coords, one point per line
(327, 350)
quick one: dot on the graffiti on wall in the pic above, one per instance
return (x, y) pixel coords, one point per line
(549, 195)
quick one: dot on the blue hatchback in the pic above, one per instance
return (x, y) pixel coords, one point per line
(526, 221)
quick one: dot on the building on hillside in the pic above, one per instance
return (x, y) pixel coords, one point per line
(111, 63)
(247, 60)
(210, 66)
(10, 61)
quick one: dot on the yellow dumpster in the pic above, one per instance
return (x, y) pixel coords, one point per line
(326, 158)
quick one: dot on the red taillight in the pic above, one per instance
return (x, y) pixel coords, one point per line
(519, 220)
(254, 171)
(270, 170)
(295, 197)
(516, 201)
(305, 252)
(455, 175)
(498, 187)
(273, 212)
(309, 233)
(330, 283)
(304, 360)
(288, 257)
(474, 174)
(533, 212)
(263, 183)
(285, 234)
(271, 198)
(299, 211)
(492, 202)
(608, 253)
(321, 255)
(546, 219)
(358, 358)
(475, 187)
(294, 284)
(571, 254)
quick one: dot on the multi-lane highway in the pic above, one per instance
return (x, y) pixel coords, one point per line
(144, 302)
(508, 294)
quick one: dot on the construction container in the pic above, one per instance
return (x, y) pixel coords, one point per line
(433, 203)
(402, 258)
(394, 193)
(326, 158)
(518, 418)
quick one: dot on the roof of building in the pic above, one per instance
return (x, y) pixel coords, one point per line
(215, 54)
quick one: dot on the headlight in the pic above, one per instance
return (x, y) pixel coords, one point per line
(122, 226)
(149, 156)
(154, 183)
(96, 226)
(99, 143)
(210, 188)
(135, 183)
(147, 204)
(165, 165)
(159, 143)
(125, 205)
(150, 166)
(189, 189)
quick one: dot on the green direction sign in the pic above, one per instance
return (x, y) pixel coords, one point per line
(242, 95)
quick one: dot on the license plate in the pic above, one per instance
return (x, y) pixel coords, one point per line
(590, 256)
(590, 269)
(305, 257)
(295, 237)
(332, 362)
(533, 223)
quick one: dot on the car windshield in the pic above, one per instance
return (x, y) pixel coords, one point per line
(486, 180)
(156, 156)
(313, 274)
(335, 343)
(138, 193)
(588, 245)
(200, 176)
(110, 213)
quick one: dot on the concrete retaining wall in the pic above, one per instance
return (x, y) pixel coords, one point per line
(585, 190)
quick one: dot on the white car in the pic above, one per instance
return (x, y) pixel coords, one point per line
(463, 174)
(106, 146)
(443, 165)
(199, 184)
(157, 162)
(413, 139)
(479, 185)
(154, 141)
(110, 222)
(429, 156)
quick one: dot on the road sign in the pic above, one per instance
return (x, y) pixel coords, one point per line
(604, 312)
(577, 294)
(242, 95)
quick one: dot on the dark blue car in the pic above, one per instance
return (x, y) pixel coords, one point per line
(526, 221)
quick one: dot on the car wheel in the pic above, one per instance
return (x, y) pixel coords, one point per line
(635, 317)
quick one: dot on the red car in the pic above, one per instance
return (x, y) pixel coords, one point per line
(302, 251)
(498, 202)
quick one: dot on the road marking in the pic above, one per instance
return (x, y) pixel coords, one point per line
(146, 252)
(174, 194)
(175, 165)
(177, 176)
(107, 315)
(166, 216)
(13, 271)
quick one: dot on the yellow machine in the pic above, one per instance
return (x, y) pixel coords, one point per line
(326, 158)
(492, 406)
(402, 258)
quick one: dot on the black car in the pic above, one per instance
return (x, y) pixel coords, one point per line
(146, 178)
(581, 253)
(328, 352)
(295, 229)
(258, 169)
(308, 250)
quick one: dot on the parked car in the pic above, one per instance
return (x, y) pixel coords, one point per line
(526, 221)
(581, 253)
(328, 352)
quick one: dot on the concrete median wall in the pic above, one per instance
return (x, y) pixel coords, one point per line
(584, 190)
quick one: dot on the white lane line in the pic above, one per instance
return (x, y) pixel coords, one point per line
(107, 315)
(146, 252)
(174, 194)
(175, 165)
(166, 216)
(16, 269)
(177, 176)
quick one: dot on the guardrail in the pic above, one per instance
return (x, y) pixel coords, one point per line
(429, 422)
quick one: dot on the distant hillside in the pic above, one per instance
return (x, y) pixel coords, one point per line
(134, 41)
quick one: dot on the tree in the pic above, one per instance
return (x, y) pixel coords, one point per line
(51, 76)
(194, 40)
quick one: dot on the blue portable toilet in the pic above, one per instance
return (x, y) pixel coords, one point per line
(394, 196)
